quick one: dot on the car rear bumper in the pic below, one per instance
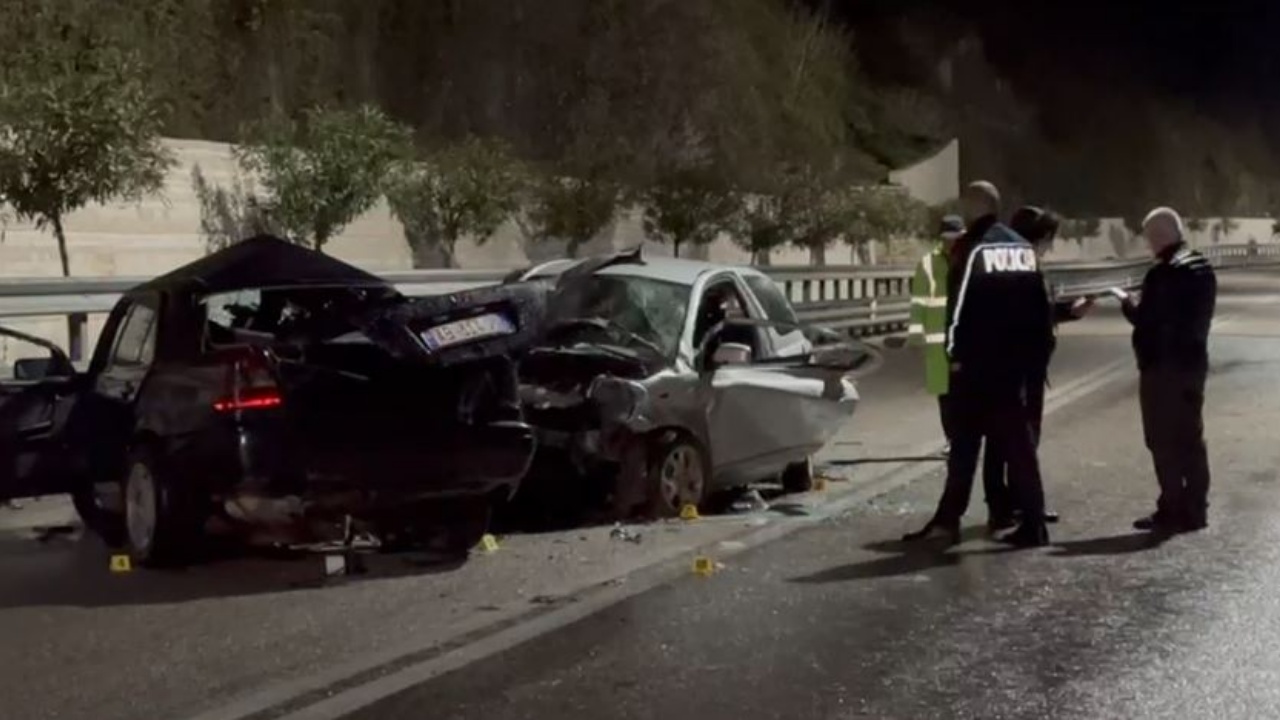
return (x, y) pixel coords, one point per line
(487, 459)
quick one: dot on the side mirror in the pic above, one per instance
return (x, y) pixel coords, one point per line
(731, 354)
(32, 368)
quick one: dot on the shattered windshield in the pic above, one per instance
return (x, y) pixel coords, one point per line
(645, 311)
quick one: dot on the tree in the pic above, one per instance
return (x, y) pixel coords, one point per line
(229, 215)
(466, 189)
(323, 172)
(1223, 227)
(687, 206)
(80, 122)
(574, 209)
(759, 227)
(1080, 229)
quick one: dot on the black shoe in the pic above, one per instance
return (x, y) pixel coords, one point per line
(934, 532)
(998, 523)
(1194, 522)
(1050, 517)
(1156, 523)
(1027, 536)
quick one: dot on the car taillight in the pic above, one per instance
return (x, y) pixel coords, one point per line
(250, 399)
(249, 385)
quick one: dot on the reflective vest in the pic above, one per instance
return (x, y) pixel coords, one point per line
(927, 327)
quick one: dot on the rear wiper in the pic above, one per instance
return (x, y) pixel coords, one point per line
(606, 324)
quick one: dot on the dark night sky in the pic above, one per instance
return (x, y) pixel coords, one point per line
(1221, 52)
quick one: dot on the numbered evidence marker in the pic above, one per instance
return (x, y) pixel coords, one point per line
(121, 564)
(488, 543)
(689, 512)
(704, 566)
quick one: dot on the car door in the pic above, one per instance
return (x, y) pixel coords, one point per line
(38, 390)
(770, 411)
(119, 370)
(788, 339)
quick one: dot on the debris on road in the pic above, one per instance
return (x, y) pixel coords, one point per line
(621, 533)
(749, 501)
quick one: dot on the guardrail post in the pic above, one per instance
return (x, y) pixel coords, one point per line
(77, 335)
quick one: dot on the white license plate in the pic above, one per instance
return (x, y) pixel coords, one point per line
(462, 331)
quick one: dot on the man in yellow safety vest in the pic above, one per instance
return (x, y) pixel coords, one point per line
(927, 327)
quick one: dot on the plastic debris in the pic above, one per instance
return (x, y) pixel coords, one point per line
(121, 564)
(750, 501)
(621, 533)
(689, 512)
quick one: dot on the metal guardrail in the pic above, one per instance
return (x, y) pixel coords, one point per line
(852, 298)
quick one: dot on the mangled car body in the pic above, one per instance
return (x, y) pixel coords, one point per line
(272, 389)
(669, 380)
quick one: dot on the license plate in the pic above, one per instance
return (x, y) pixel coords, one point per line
(467, 330)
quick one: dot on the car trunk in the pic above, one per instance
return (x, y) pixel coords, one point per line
(380, 408)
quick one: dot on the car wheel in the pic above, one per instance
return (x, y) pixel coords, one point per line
(678, 475)
(798, 477)
(106, 524)
(467, 524)
(163, 521)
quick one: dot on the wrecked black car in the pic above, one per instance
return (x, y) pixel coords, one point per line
(275, 391)
(663, 381)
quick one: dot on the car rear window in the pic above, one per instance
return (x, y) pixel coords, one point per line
(281, 315)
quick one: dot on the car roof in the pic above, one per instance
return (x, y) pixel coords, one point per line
(666, 269)
(260, 262)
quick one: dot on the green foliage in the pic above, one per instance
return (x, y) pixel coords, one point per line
(323, 172)
(81, 121)
(470, 188)
(883, 214)
(759, 226)
(1196, 224)
(229, 215)
(573, 209)
(1080, 229)
(687, 207)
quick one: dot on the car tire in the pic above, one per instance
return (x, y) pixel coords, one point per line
(798, 477)
(468, 523)
(679, 474)
(163, 521)
(104, 523)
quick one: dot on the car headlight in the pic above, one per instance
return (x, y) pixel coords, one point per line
(620, 401)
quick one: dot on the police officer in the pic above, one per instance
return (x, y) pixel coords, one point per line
(1038, 227)
(1170, 339)
(927, 326)
(999, 335)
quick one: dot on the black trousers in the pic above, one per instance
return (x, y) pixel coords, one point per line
(999, 414)
(1172, 403)
(1000, 499)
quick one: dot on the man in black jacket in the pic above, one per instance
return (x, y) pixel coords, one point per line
(999, 336)
(1171, 341)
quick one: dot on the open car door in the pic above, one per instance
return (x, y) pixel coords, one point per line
(38, 389)
(769, 412)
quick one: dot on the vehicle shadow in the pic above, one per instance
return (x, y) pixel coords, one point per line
(75, 571)
(902, 559)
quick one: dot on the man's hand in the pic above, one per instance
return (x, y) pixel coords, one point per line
(1081, 307)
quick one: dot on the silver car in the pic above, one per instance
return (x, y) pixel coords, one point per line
(663, 381)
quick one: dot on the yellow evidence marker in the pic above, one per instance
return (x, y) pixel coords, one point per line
(689, 512)
(704, 566)
(489, 543)
(819, 483)
(121, 564)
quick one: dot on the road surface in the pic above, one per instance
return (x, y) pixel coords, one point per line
(820, 615)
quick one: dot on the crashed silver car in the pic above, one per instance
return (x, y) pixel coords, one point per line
(663, 381)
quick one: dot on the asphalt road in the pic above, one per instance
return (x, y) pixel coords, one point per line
(842, 621)
(828, 622)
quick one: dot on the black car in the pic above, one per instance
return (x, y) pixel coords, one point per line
(273, 389)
